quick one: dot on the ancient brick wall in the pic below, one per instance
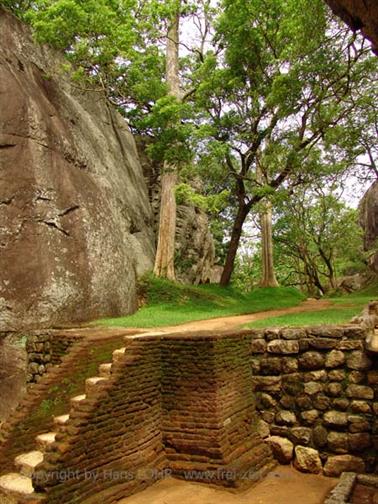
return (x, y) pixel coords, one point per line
(209, 415)
(180, 405)
(318, 388)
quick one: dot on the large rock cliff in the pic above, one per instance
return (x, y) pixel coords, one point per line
(75, 219)
(369, 223)
(359, 15)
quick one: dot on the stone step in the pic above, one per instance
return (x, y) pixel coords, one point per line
(16, 483)
(44, 440)
(61, 420)
(27, 462)
(119, 354)
(105, 369)
(91, 383)
(77, 399)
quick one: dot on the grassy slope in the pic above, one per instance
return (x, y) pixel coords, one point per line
(168, 303)
(343, 309)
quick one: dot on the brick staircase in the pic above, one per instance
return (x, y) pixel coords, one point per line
(17, 486)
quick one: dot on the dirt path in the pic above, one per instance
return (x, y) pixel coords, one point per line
(281, 486)
(235, 321)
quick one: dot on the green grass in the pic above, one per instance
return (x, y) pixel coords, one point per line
(342, 310)
(169, 303)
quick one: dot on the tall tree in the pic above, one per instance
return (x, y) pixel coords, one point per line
(165, 254)
(268, 278)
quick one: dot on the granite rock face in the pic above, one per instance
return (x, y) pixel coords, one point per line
(359, 15)
(369, 223)
(13, 370)
(75, 219)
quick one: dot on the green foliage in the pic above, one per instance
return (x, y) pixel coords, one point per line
(169, 303)
(186, 195)
(317, 239)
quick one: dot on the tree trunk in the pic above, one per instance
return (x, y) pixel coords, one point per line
(234, 244)
(268, 275)
(165, 253)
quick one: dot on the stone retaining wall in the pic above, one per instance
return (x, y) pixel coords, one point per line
(318, 388)
(45, 349)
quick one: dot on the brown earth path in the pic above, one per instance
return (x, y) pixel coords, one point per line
(236, 321)
(283, 485)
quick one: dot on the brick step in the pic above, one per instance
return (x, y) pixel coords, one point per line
(105, 369)
(119, 354)
(45, 440)
(61, 420)
(91, 383)
(27, 462)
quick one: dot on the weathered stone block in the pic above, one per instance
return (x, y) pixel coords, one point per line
(307, 460)
(373, 377)
(311, 360)
(312, 388)
(321, 402)
(265, 401)
(289, 365)
(300, 435)
(322, 343)
(334, 359)
(360, 392)
(282, 449)
(335, 418)
(359, 442)
(290, 333)
(319, 436)
(287, 401)
(310, 416)
(283, 346)
(358, 360)
(350, 345)
(337, 375)
(338, 442)
(319, 375)
(270, 366)
(337, 464)
(334, 389)
(358, 423)
(258, 346)
(360, 407)
(267, 383)
(285, 417)
(341, 403)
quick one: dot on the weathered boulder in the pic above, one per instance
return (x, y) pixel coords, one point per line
(75, 220)
(282, 449)
(307, 460)
(339, 463)
(359, 15)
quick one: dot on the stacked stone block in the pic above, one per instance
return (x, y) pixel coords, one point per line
(44, 350)
(318, 388)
